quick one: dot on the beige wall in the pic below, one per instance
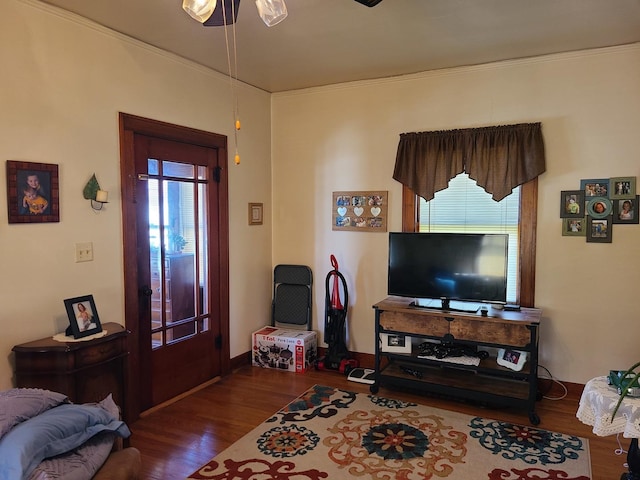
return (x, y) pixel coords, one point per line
(344, 137)
(63, 82)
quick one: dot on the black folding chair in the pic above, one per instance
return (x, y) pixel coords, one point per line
(291, 305)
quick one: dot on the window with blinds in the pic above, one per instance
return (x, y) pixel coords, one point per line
(464, 207)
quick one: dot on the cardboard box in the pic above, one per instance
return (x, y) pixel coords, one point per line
(290, 350)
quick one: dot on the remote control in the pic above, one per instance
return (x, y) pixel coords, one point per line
(411, 371)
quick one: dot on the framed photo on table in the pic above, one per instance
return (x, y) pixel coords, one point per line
(395, 343)
(513, 359)
(83, 316)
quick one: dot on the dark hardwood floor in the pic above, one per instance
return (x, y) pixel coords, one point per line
(176, 439)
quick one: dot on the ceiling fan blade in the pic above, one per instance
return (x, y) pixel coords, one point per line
(217, 18)
(369, 3)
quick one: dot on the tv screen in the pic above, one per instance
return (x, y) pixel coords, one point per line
(448, 266)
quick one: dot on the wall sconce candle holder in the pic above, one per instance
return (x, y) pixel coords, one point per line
(95, 194)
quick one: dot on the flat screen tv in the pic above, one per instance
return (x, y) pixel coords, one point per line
(436, 268)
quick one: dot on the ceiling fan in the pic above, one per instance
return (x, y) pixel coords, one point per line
(226, 11)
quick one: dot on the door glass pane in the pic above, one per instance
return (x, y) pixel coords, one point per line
(203, 256)
(155, 260)
(178, 262)
(181, 170)
(178, 215)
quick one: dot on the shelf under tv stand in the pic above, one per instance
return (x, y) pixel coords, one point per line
(487, 382)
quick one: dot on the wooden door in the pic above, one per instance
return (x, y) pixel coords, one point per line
(176, 259)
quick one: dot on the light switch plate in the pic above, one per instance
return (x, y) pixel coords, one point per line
(84, 252)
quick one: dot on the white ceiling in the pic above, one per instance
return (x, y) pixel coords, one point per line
(323, 42)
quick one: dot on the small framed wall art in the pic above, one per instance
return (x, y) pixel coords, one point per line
(363, 211)
(625, 210)
(599, 207)
(599, 230)
(574, 227)
(32, 192)
(595, 187)
(255, 213)
(572, 204)
(622, 187)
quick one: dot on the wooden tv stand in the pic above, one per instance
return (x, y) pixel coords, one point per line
(487, 382)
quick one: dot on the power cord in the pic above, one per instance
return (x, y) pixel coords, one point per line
(620, 450)
(554, 380)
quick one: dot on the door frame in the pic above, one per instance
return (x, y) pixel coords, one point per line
(129, 125)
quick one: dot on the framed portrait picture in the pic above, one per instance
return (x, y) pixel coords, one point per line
(574, 227)
(83, 316)
(595, 187)
(599, 230)
(622, 187)
(599, 207)
(572, 204)
(625, 210)
(32, 192)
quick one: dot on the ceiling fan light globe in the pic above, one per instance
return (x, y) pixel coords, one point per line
(272, 12)
(199, 10)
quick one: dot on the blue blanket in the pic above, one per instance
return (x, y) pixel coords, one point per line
(57, 430)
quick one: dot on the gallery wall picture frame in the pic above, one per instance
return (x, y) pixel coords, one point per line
(625, 210)
(83, 316)
(622, 187)
(599, 207)
(599, 230)
(33, 192)
(359, 211)
(594, 187)
(255, 213)
(574, 227)
(572, 204)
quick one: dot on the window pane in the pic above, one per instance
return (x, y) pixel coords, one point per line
(180, 170)
(466, 207)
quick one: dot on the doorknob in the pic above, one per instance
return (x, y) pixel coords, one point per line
(146, 291)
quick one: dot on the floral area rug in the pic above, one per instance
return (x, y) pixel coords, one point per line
(336, 434)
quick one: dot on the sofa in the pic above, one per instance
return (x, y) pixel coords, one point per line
(123, 464)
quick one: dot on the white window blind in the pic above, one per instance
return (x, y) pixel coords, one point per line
(464, 207)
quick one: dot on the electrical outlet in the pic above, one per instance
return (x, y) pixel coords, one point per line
(84, 252)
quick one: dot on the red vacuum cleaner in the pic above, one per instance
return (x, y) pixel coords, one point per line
(335, 324)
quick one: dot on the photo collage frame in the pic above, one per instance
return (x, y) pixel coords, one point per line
(599, 204)
(359, 211)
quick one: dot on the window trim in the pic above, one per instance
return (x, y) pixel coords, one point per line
(527, 230)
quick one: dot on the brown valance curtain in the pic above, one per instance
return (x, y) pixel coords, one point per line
(498, 158)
